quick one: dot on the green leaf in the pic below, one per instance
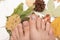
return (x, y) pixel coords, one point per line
(26, 13)
(19, 9)
(57, 12)
(51, 13)
(51, 9)
(51, 5)
(45, 11)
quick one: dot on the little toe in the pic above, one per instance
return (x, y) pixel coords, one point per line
(39, 23)
(26, 28)
(48, 25)
(51, 31)
(20, 29)
(33, 20)
(43, 24)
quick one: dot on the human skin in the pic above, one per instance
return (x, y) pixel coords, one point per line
(34, 29)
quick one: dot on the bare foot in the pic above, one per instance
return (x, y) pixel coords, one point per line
(39, 29)
(21, 32)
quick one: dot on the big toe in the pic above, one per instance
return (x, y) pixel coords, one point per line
(33, 19)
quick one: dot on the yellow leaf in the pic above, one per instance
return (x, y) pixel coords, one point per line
(56, 26)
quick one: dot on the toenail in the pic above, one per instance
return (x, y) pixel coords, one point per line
(33, 18)
(25, 23)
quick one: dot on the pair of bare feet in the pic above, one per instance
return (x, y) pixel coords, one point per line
(34, 29)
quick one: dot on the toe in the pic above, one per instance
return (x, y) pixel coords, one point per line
(48, 26)
(16, 32)
(39, 23)
(33, 19)
(43, 24)
(51, 31)
(20, 29)
(13, 36)
(26, 28)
